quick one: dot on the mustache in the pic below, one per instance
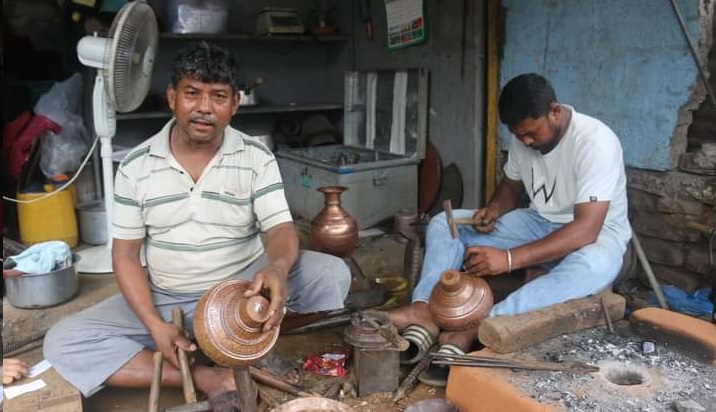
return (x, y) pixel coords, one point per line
(203, 119)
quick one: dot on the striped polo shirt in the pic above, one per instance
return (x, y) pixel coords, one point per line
(198, 233)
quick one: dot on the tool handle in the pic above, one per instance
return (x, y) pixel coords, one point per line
(701, 228)
(156, 382)
(388, 333)
(187, 382)
(471, 222)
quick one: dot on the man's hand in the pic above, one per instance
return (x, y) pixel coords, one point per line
(485, 261)
(13, 369)
(167, 337)
(270, 278)
(488, 215)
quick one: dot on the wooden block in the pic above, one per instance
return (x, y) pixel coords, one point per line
(505, 334)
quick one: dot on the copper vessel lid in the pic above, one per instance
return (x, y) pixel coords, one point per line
(228, 325)
(460, 300)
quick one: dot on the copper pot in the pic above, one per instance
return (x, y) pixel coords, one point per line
(228, 325)
(460, 301)
(333, 230)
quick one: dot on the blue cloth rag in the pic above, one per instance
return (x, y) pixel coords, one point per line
(42, 257)
(696, 303)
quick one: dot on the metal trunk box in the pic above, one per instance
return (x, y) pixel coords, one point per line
(379, 184)
(385, 134)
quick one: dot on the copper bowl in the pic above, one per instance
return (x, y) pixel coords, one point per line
(313, 404)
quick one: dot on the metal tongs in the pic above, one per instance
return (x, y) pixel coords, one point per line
(491, 362)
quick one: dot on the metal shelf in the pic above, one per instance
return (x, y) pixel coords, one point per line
(334, 38)
(161, 114)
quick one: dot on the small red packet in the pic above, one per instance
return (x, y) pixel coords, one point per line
(331, 363)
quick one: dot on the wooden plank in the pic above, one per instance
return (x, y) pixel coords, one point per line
(57, 396)
(505, 334)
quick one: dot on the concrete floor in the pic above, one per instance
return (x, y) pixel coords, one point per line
(377, 255)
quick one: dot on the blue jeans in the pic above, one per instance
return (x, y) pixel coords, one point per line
(581, 273)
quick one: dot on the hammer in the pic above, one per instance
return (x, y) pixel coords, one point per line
(186, 379)
(452, 222)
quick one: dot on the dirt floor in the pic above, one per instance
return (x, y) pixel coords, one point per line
(377, 255)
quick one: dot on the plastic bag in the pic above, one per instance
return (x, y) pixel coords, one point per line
(62, 100)
(62, 153)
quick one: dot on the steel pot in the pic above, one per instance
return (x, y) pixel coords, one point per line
(248, 98)
(39, 290)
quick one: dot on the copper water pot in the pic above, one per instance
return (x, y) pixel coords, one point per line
(460, 301)
(333, 230)
(228, 325)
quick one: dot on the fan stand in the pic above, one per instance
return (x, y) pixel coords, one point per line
(98, 259)
(113, 57)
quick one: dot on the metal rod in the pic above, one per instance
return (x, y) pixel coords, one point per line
(409, 382)
(606, 315)
(246, 389)
(694, 52)
(649, 273)
(482, 361)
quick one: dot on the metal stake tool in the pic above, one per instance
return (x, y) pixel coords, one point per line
(489, 362)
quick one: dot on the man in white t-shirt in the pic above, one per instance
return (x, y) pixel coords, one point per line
(571, 167)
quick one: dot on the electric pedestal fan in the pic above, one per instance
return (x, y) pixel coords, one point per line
(124, 61)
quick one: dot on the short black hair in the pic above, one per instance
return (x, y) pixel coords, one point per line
(525, 96)
(206, 62)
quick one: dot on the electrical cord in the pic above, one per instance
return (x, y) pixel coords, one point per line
(64, 186)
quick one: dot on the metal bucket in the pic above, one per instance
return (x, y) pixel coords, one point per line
(93, 222)
(40, 290)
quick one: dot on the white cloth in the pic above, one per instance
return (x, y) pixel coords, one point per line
(42, 257)
(586, 166)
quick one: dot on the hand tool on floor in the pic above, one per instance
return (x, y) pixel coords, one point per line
(388, 332)
(187, 382)
(247, 389)
(155, 386)
(273, 381)
(409, 382)
(491, 362)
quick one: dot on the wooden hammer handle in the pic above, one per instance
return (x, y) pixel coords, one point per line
(187, 382)
(156, 382)
(471, 222)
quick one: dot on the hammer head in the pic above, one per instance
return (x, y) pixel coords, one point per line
(447, 205)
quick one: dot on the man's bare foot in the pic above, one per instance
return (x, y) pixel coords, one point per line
(214, 381)
(416, 313)
(463, 339)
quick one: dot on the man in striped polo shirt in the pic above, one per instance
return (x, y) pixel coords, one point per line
(197, 195)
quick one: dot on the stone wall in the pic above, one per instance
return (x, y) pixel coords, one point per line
(661, 203)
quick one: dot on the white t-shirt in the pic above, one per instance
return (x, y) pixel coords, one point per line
(586, 166)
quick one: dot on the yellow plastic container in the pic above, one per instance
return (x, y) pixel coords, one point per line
(52, 218)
